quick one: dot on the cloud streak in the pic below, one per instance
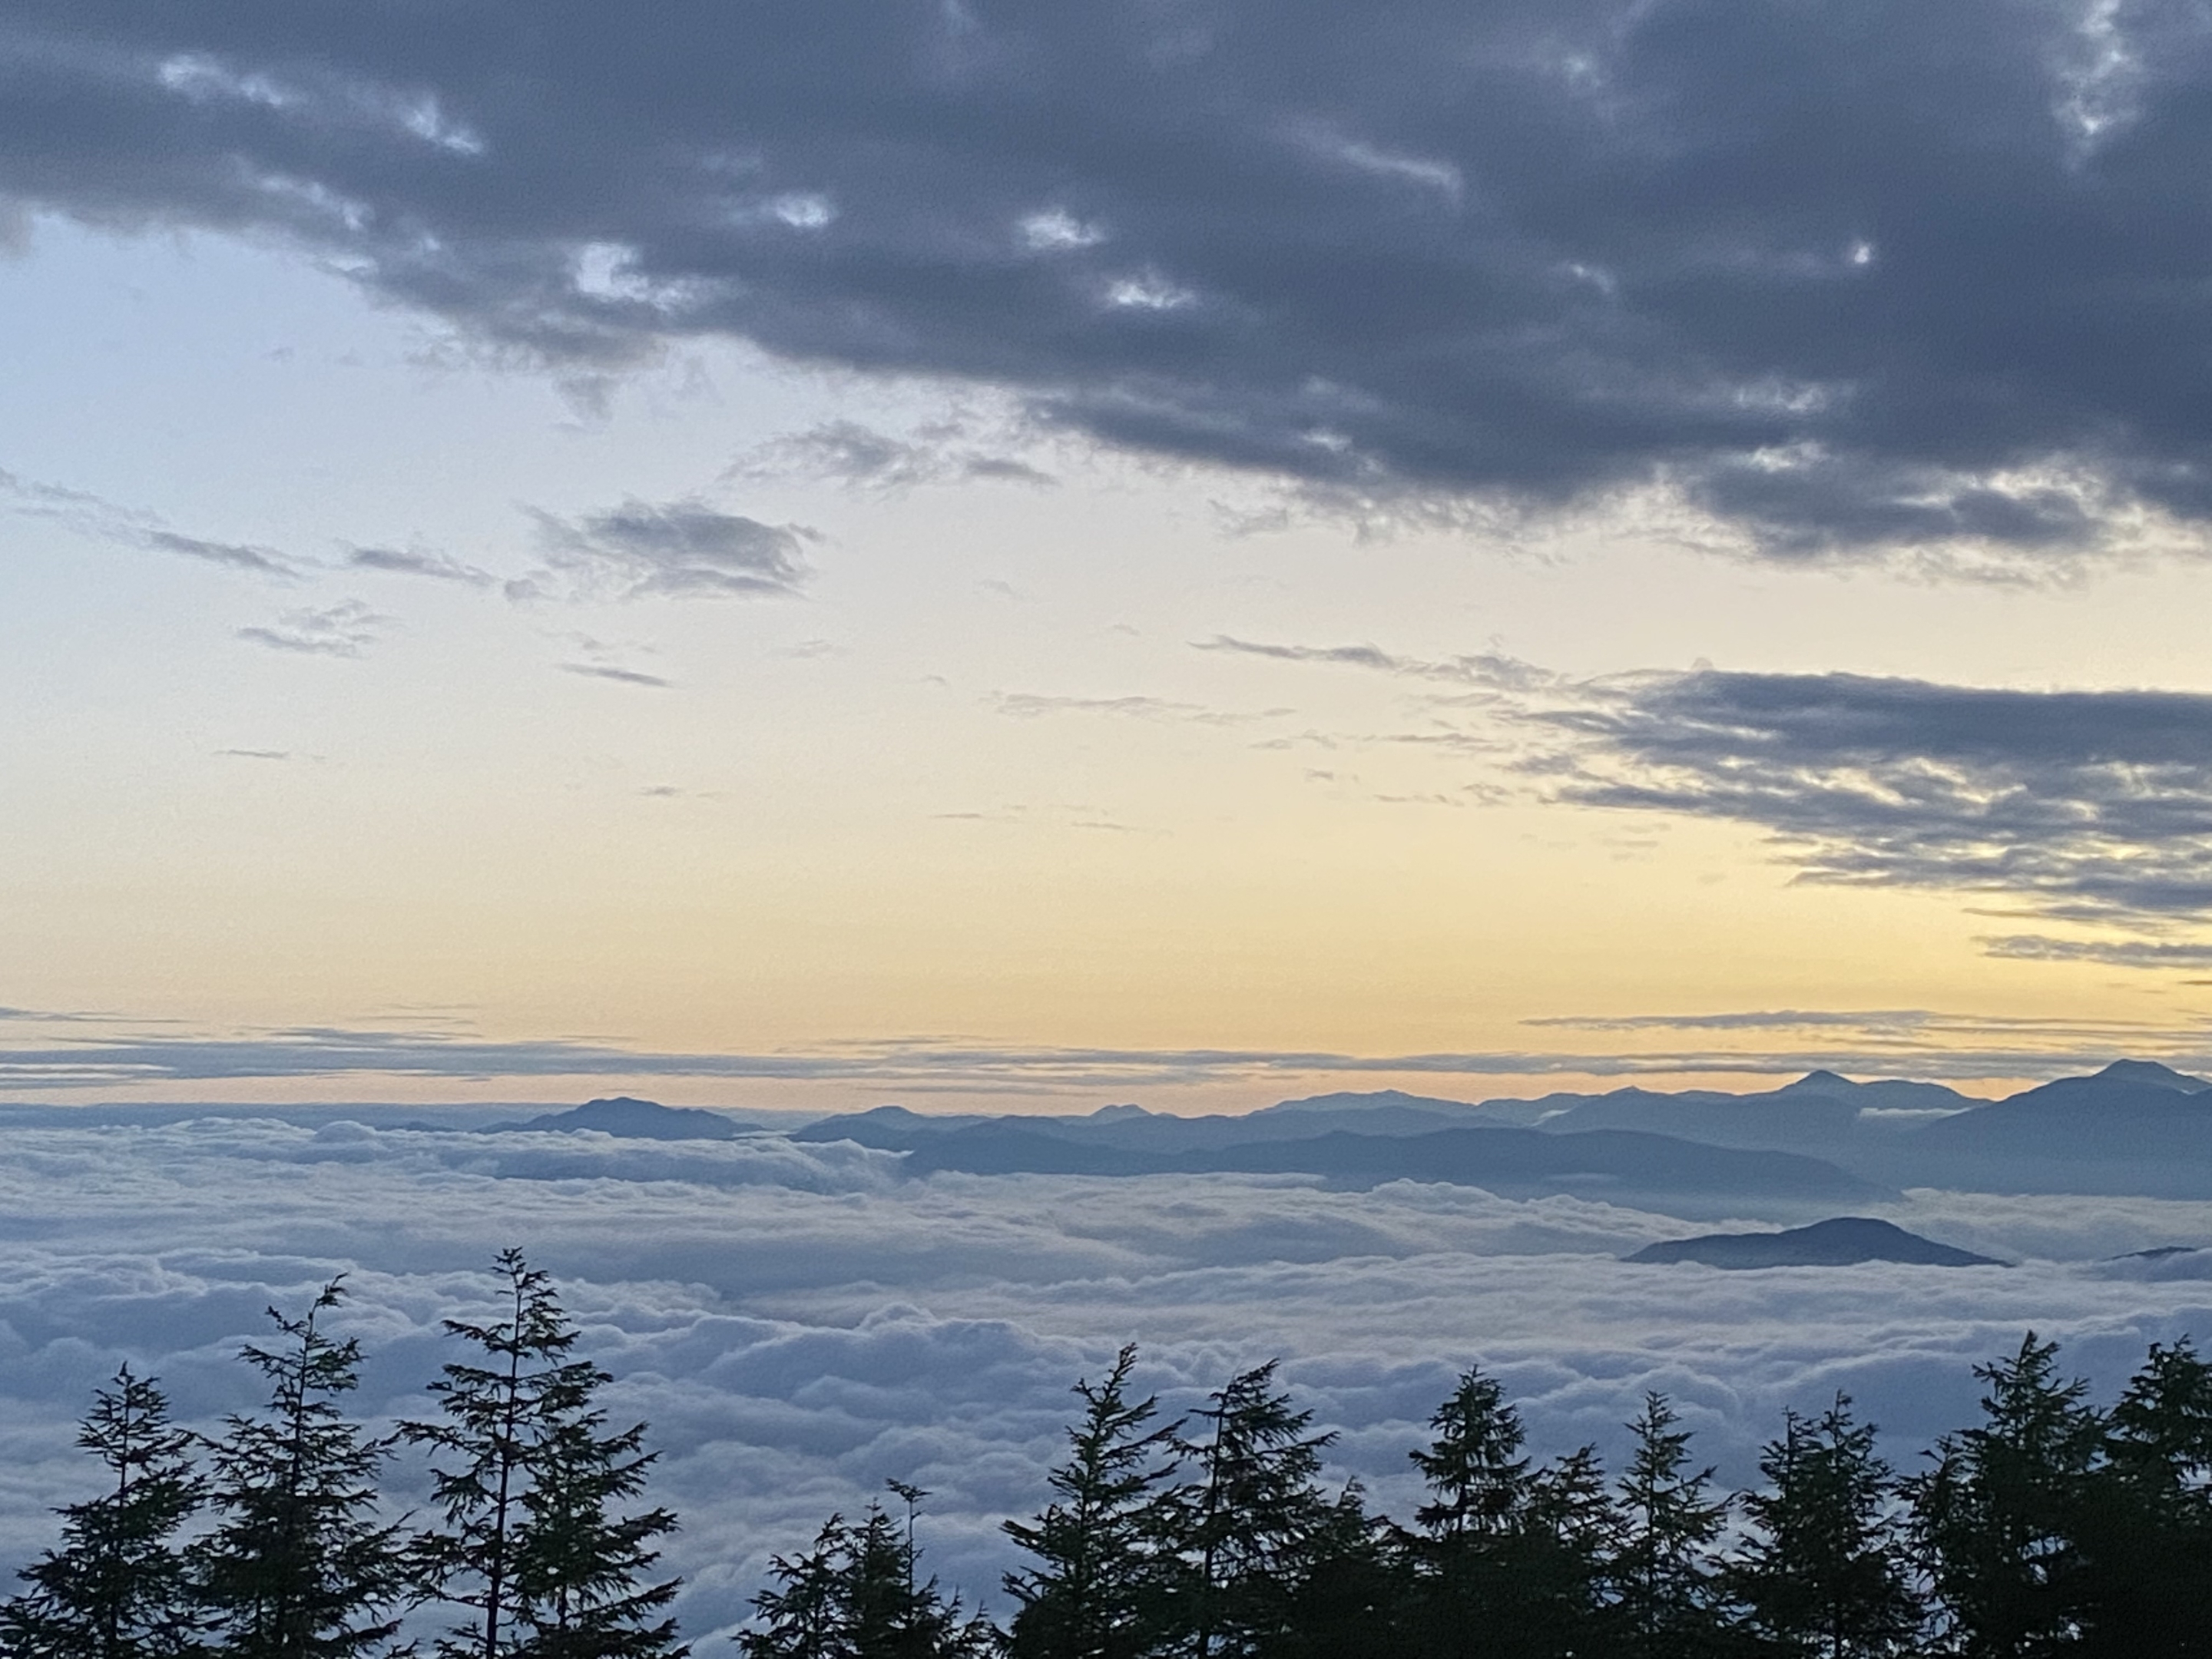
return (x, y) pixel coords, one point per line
(104, 520)
(1930, 1044)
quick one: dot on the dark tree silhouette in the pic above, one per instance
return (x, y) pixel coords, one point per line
(1668, 1602)
(117, 1587)
(1507, 1559)
(2000, 1517)
(2147, 1541)
(298, 1566)
(1102, 1547)
(856, 1594)
(1251, 1524)
(1824, 1574)
(527, 1477)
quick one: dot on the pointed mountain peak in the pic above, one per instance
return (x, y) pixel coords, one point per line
(1821, 1082)
(2148, 1073)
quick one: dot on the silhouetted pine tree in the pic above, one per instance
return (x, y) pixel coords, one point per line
(583, 1570)
(1350, 1599)
(1667, 1598)
(1999, 1520)
(1507, 1560)
(803, 1614)
(297, 1567)
(527, 1480)
(1824, 1574)
(1477, 1482)
(2146, 1587)
(856, 1594)
(1251, 1521)
(117, 1588)
(1100, 1546)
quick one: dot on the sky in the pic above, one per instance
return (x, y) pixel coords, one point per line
(1175, 550)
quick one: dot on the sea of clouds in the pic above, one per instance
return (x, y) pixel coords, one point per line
(800, 1322)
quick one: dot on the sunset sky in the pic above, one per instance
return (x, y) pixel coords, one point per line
(805, 554)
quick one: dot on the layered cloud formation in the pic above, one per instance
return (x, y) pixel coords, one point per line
(799, 1324)
(2088, 807)
(1881, 273)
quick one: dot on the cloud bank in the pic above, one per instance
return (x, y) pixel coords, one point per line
(1881, 274)
(798, 1326)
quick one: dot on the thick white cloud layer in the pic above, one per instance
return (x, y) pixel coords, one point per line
(799, 1323)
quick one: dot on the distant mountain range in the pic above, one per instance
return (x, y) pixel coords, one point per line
(2135, 1128)
(1844, 1242)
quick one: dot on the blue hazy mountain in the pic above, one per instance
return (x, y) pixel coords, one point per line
(2136, 1127)
(1132, 1128)
(1843, 1241)
(637, 1119)
(1678, 1176)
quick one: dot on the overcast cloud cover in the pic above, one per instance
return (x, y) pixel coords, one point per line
(799, 1324)
(1881, 273)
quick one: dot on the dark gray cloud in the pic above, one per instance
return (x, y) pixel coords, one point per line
(2111, 953)
(2084, 806)
(2090, 805)
(682, 549)
(1886, 272)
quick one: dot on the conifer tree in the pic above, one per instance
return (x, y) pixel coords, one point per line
(117, 1588)
(526, 1477)
(298, 1567)
(1252, 1520)
(1350, 1600)
(1100, 1546)
(803, 1615)
(1477, 1482)
(582, 1570)
(2148, 1542)
(1508, 1557)
(856, 1594)
(1666, 1599)
(1824, 1574)
(1999, 1519)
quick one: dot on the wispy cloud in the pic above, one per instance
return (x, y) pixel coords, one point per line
(599, 671)
(848, 452)
(96, 516)
(418, 561)
(682, 549)
(1030, 705)
(344, 629)
(1488, 670)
